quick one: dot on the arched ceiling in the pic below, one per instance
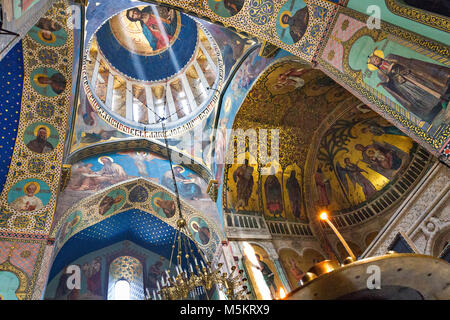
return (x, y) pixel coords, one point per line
(132, 225)
(294, 98)
(355, 158)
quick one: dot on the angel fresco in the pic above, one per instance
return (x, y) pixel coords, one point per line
(243, 176)
(274, 201)
(292, 77)
(158, 29)
(421, 87)
(383, 158)
(354, 172)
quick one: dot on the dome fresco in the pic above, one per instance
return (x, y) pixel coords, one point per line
(128, 45)
(151, 64)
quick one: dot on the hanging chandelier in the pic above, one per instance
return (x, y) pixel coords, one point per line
(196, 280)
(193, 280)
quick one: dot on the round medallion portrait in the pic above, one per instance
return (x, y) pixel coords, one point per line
(48, 33)
(112, 202)
(163, 205)
(48, 82)
(146, 30)
(292, 21)
(29, 195)
(69, 226)
(41, 137)
(199, 230)
(226, 8)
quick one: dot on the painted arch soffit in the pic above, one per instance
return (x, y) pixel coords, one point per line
(139, 194)
(340, 59)
(48, 53)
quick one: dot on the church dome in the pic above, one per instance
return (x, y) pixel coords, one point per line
(147, 65)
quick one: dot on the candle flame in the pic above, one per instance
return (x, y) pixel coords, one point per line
(324, 215)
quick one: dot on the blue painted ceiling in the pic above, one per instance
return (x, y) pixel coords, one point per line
(144, 229)
(11, 84)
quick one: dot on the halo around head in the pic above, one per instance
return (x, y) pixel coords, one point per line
(282, 24)
(103, 157)
(51, 40)
(36, 130)
(36, 80)
(178, 166)
(377, 53)
(38, 187)
(155, 199)
(194, 223)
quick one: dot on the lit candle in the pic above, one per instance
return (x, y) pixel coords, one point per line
(201, 262)
(157, 283)
(195, 259)
(154, 295)
(167, 273)
(192, 269)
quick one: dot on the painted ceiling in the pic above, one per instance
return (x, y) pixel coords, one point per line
(355, 160)
(11, 81)
(132, 225)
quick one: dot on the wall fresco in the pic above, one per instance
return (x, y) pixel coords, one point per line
(401, 75)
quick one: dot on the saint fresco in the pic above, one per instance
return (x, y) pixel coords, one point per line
(29, 195)
(359, 156)
(40, 143)
(49, 33)
(262, 273)
(48, 82)
(112, 202)
(421, 87)
(412, 80)
(199, 230)
(226, 8)
(292, 21)
(163, 204)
